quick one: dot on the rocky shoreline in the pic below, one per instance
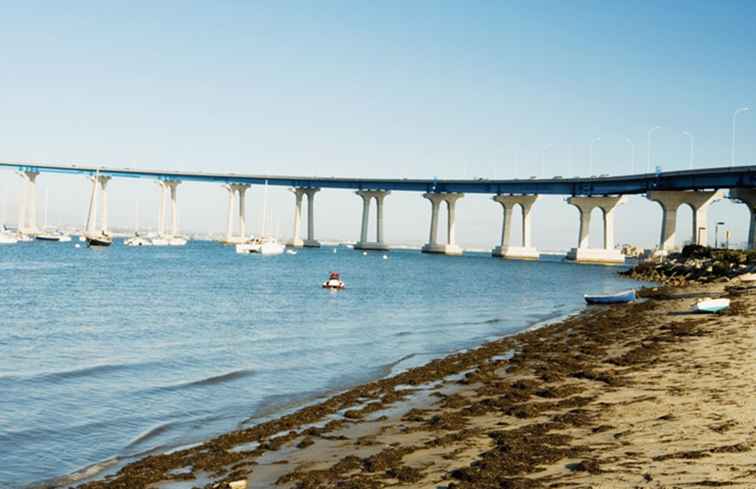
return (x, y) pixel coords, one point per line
(640, 395)
(695, 265)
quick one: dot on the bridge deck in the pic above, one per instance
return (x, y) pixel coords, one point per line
(708, 178)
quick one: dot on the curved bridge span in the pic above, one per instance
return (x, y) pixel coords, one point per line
(695, 188)
(709, 178)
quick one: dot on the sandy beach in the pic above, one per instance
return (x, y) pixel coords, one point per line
(640, 395)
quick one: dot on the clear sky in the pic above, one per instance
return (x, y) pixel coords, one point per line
(400, 89)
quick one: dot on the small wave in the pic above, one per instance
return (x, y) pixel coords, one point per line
(149, 434)
(216, 379)
(88, 472)
(75, 373)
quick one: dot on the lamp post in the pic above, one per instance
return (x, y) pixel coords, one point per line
(632, 151)
(543, 157)
(650, 133)
(590, 156)
(732, 147)
(690, 139)
(716, 233)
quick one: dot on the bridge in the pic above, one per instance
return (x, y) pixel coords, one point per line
(695, 188)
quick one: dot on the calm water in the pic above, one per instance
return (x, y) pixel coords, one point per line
(112, 353)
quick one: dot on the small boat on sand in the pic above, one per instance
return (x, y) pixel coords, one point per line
(712, 305)
(334, 282)
(618, 298)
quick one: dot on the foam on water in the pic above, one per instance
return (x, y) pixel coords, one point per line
(107, 355)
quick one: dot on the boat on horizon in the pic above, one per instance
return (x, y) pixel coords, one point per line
(99, 240)
(54, 236)
(262, 246)
(618, 298)
(6, 236)
(137, 240)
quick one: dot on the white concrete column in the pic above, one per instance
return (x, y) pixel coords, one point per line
(161, 217)
(526, 227)
(584, 239)
(433, 246)
(27, 209)
(607, 254)
(242, 190)
(451, 207)
(670, 201)
(366, 198)
(435, 205)
(33, 202)
(296, 239)
(506, 221)
(608, 228)
(525, 251)
(231, 189)
(747, 196)
(311, 241)
(103, 181)
(379, 198)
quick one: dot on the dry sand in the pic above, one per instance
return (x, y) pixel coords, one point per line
(634, 396)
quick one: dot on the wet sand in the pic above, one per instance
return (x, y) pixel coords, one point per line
(640, 395)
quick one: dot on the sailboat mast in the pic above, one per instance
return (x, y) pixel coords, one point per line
(136, 217)
(92, 203)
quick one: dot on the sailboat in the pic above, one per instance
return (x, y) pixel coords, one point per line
(46, 235)
(264, 245)
(100, 238)
(137, 240)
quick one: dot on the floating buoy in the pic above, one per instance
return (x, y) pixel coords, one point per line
(385, 257)
(364, 253)
(334, 250)
(77, 245)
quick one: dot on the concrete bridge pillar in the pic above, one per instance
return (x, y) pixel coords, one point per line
(169, 187)
(27, 207)
(670, 201)
(525, 251)
(367, 197)
(236, 192)
(231, 189)
(296, 241)
(748, 197)
(450, 247)
(241, 189)
(607, 254)
(311, 242)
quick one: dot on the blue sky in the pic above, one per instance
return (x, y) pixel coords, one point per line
(445, 89)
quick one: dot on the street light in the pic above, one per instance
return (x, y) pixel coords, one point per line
(543, 157)
(732, 147)
(632, 151)
(590, 156)
(690, 138)
(650, 133)
(716, 233)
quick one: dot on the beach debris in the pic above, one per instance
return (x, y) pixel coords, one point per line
(238, 484)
